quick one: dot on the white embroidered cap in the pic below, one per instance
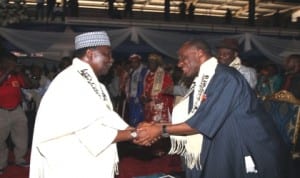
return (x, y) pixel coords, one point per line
(92, 39)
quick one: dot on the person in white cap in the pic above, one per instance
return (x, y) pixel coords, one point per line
(76, 129)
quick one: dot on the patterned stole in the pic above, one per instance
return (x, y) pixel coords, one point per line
(158, 81)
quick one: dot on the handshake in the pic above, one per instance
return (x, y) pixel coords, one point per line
(147, 134)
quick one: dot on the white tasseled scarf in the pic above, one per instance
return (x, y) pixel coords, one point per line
(190, 146)
(236, 63)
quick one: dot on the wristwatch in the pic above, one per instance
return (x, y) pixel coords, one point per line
(133, 134)
(164, 133)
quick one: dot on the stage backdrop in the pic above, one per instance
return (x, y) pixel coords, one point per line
(55, 45)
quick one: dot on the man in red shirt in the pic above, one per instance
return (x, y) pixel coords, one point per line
(13, 120)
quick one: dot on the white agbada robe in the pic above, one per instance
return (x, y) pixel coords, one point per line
(74, 129)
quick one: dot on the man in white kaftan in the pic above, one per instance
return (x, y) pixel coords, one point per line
(76, 129)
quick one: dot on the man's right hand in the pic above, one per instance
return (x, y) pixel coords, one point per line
(148, 133)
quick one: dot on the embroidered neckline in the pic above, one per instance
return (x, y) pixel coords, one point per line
(157, 81)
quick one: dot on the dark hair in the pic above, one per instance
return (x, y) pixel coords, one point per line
(7, 56)
(294, 57)
(64, 62)
(272, 67)
(199, 44)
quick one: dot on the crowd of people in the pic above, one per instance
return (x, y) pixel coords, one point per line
(208, 106)
(264, 79)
